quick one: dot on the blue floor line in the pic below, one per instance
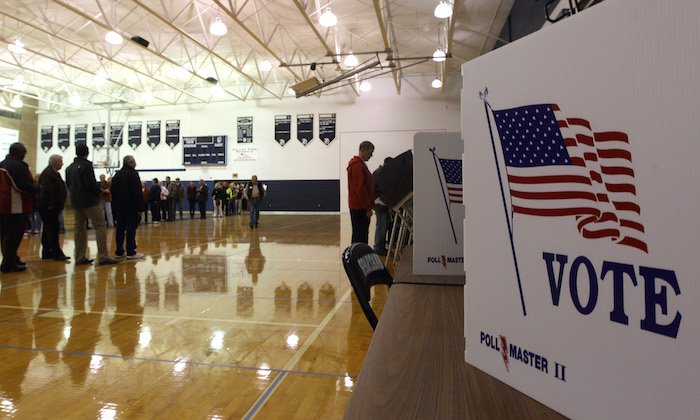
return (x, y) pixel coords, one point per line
(263, 398)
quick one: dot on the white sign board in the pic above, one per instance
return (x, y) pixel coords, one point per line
(438, 205)
(7, 137)
(245, 154)
(581, 232)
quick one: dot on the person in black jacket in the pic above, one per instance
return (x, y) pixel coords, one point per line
(154, 201)
(50, 203)
(127, 202)
(84, 195)
(202, 197)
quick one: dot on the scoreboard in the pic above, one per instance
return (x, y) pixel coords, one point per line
(204, 150)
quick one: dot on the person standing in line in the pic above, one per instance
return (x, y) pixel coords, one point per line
(84, 195)
(35, 218)
(254, 192)
(231, 197)
(50, 203)
(128, 203)
(154, 200)
(218, 195)
(164, 201)
(381, 211)
(192, 197)
(239, 198)
(105, 200)
(202, 197)
(145, 191)
(177, 194)
(360, 193)
(228, 192)
(17, 193)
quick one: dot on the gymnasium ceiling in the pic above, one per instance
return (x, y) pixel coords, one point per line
(65, 47)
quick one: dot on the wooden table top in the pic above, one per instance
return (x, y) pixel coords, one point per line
(415, 365)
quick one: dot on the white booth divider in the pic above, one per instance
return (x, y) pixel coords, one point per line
(581, 233)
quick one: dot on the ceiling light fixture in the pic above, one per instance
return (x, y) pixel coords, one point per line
(16, 102)
(17, 47)
(147, 95)
(437, 83)
(75, 100)
(328, 19)
(19, 83)
(439, 55)
(100, 76)
(351, 60)
(291, 92)
(443, 10)
(365, 86)
(217, 27)
(265, 65)
(114, 38)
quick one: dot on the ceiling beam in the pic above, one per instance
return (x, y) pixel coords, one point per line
(387, 46)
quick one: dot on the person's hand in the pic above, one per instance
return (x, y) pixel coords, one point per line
(369, 214)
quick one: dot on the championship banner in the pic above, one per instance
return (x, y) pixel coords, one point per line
(63, 137)
(98, 135)
(46, 137)
(172, 133)
(153, 134)
(81, 131)
(135, 132)
(283, 129)
(580, 234)
(438, 204)
(245, 129)
(326, 128)
(305, 128)
(116, 134)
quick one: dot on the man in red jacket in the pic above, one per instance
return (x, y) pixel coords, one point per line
(361, 193)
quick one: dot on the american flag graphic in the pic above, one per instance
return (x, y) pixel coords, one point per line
(559, 167)
(452, 169)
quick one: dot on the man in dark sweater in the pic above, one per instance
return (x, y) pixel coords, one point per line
(50, 203)
(84, 193)
(127, 201)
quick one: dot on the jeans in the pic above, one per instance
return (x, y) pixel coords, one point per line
(177, 205)
(382, 225)
(192, 201)
(254, 211)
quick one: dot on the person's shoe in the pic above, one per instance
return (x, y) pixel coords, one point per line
(44, 257)
(62, 258)
(21, 263)
(135, 256)
(108, 261)
(381, 252)
(119, 256)
(84, 261)
(13, 268)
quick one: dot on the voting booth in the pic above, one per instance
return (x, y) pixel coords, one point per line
(581, 224)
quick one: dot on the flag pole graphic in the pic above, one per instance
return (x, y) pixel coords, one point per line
(442, 188)
(483, 97)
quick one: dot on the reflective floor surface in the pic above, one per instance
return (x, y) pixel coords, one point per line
(218, 321)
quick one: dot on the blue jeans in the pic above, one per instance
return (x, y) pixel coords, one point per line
(254, 211)
(382, 226)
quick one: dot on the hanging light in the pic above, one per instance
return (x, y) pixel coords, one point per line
(437, 83)
(291, 92)
(443, 10)
(114, 38)
(75, 100)
(217, 27)
(328, 19)
(147, 95)
(265, 65)
(19, 83)
(17, 47)
(16, 102)
(365, 86)
(439, 55)
(100, 76)
(351, 60)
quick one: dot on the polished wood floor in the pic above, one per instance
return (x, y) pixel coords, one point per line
(218, 321)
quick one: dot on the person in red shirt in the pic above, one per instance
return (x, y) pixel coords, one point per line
(360, 193)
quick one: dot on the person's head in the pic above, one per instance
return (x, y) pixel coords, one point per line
(103, 178)
(155, 181)
(201, 182)
(18, 151)
(167, 179)
(143, 184)
(81, 150)
(129, 161)
(56, 161)
(217, 186)
(192, 183)
(177, 181)
(366, 150)
(388, 159)
(254, 179)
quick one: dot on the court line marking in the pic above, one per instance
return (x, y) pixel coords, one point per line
(255, 409)
(188, 362)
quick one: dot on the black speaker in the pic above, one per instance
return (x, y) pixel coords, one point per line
(212, 80)
(395, 179)
(139, 40)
